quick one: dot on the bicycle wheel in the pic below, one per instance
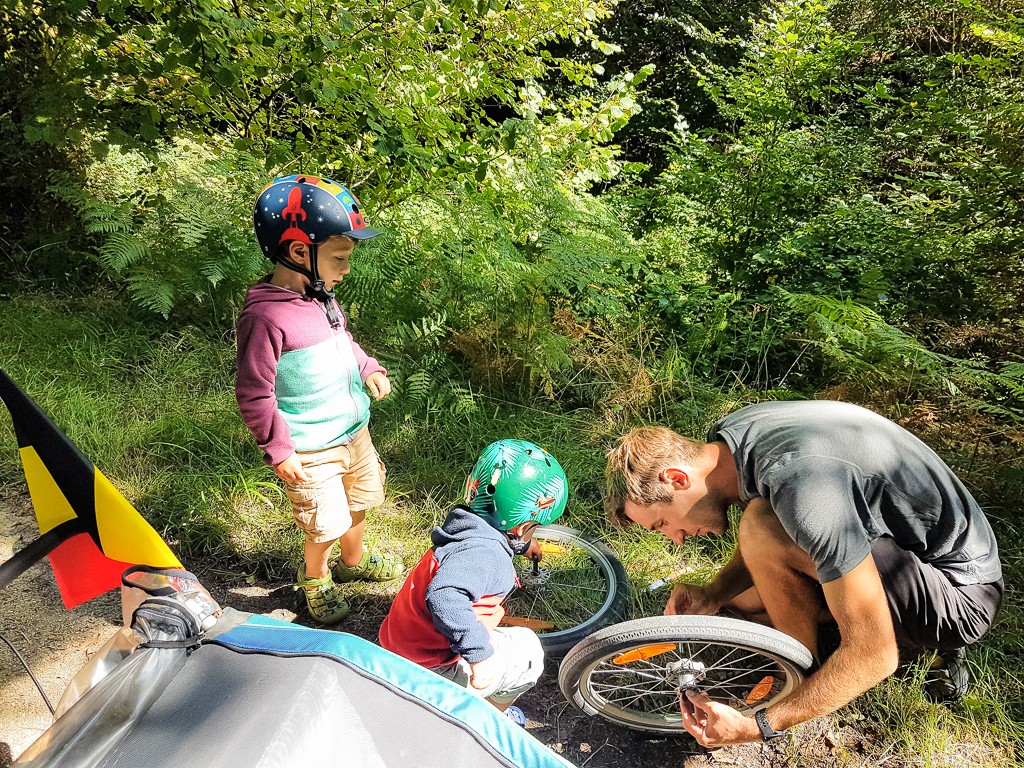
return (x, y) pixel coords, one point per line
(578, 587)
(631, 673)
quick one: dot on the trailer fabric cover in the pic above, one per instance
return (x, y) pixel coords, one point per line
(269, 693)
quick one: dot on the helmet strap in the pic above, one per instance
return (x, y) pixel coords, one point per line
(316, 288)
(317, 291)
(519, 546)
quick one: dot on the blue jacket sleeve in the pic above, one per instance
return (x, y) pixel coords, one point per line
(467, 573)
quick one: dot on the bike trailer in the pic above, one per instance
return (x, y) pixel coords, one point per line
(186, 684)
(252, 691)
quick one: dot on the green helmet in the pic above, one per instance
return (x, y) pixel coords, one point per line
(516, 482)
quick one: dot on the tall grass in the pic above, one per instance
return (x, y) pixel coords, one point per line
(152, 407)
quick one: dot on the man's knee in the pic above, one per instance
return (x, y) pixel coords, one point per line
(759, 528)
(761, 535)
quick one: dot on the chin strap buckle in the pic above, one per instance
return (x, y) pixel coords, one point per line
(317, 290)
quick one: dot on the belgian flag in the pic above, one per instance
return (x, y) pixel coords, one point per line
(89, 530)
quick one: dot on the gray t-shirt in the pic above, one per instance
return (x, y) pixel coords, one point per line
(839, 476)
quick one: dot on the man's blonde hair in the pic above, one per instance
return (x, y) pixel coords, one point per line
(634, 469)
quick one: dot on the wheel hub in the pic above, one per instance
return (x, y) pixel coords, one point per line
(688, 672)
(534, 578)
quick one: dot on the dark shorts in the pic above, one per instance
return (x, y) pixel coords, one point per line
(928, 610)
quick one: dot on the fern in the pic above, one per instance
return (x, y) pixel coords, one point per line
(417, 387)
(157, 297)
(190, 232)
(106, 218)
(462, 401)
(213, 271)
(861, 346)
(174, 229)
(426, 328)
(122, 250)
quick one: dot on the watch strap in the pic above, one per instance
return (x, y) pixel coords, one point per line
(767, 732)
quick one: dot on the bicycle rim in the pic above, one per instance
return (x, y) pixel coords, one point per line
(630, 673)
(579, 587)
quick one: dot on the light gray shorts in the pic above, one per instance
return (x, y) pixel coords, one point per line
(520, 650)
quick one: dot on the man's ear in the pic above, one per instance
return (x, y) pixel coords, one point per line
(678, 478)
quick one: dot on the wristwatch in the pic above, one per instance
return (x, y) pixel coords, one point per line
(767, 732)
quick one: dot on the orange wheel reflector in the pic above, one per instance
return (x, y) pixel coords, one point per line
(646, 652)
(760, 690)
(551, 548)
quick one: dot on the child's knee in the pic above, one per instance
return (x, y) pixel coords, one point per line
(523, 655)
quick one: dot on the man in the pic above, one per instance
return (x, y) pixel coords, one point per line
(847, 517)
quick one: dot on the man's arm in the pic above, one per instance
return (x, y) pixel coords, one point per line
(867, 654)
(731, 581)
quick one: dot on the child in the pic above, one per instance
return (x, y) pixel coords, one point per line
(446, 615)
(300, 383)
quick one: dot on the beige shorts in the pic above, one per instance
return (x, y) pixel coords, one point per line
(343, 479)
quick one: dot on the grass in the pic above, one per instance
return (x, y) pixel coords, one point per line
(153, 407)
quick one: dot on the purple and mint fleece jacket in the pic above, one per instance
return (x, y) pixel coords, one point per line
(300, 382)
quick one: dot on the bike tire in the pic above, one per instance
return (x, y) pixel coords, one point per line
(585, 568)
(622, 673)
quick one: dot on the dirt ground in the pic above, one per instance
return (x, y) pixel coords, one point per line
(56, 643)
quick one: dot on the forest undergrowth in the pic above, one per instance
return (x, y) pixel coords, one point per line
(154, 409)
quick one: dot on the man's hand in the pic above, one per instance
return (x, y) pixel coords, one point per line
(290, 470)
(483, 673)
(379, 385)
(691, 599)
(713, 724)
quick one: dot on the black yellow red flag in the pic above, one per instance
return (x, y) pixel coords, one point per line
(91, 532)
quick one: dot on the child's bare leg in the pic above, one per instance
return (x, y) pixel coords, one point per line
(317, 555)
(351, 542)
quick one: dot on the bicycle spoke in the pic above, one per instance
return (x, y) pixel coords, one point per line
(630, 675)
(571, 589)
(648, 688)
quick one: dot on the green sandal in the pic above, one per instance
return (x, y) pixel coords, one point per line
(370, 568)
(323, 598)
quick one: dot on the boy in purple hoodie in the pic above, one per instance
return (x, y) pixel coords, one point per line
(301, 379)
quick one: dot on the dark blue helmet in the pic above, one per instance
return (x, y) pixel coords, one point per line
(307, 209)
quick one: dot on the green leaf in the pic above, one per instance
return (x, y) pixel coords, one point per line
(225, 76)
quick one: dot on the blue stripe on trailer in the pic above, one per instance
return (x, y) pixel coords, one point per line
(445, 698)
